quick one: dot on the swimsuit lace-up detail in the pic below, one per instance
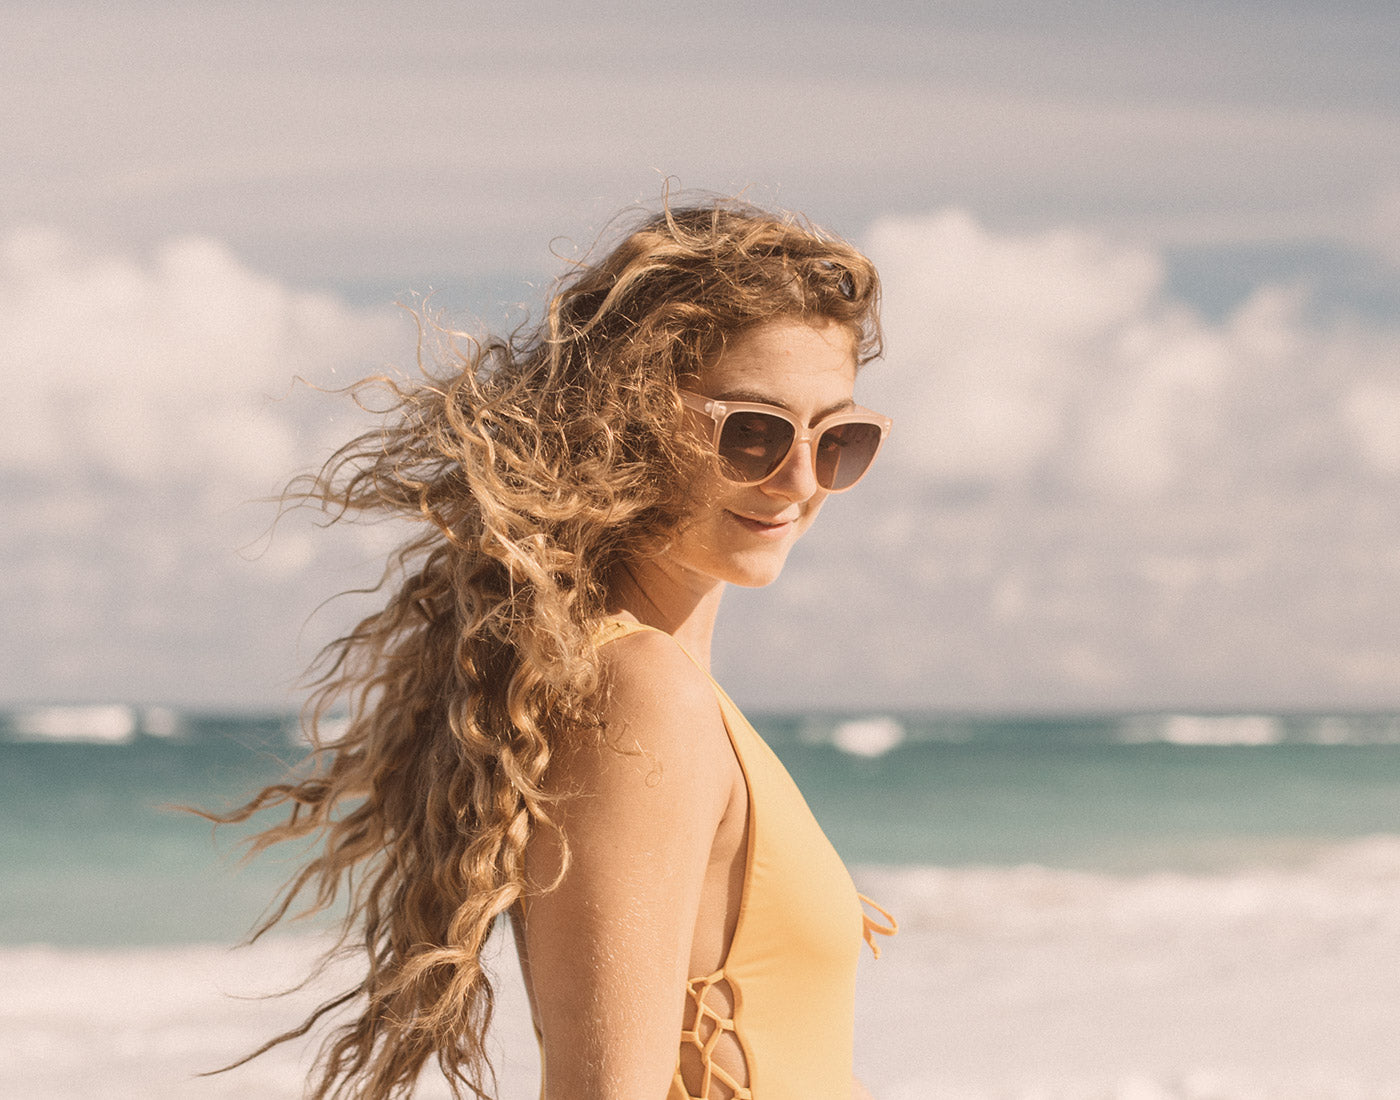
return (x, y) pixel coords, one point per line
(707, 1027)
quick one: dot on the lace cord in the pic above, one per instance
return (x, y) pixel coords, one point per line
(708, 1030)
(870, 927)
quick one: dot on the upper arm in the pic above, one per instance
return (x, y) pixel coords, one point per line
(609, 947)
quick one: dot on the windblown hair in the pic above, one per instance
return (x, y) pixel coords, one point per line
(535, 467)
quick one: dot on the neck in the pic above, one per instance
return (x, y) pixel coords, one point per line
(670, 598)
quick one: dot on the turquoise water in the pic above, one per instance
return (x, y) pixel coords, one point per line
(91, 854)
(1098, 807)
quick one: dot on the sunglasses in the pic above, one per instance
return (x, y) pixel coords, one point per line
(753, 440)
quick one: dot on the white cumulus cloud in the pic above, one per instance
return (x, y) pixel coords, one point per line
(1373, 410)
(171, 368)
(147, 400)
(1059, 360)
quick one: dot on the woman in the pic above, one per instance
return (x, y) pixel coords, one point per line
(533, 730)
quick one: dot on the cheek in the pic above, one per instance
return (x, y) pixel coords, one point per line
(813, 507)
(710, 497)
(704, 528)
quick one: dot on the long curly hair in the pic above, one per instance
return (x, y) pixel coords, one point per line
(535, 467)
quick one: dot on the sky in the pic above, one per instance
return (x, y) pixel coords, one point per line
(1142, 305)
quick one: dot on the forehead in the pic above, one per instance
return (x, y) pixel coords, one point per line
(788, 362)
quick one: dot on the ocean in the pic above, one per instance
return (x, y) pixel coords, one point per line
(1131, 907)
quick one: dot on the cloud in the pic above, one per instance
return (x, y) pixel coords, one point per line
(1373, 409)
(993, 325)
(171, 370)
(1058, 362)
(147, 399)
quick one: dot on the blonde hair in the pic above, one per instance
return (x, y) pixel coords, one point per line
(536, 466)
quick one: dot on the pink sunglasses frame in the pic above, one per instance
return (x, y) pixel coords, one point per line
(720, 411)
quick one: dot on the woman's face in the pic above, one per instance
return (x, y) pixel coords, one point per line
(740, 534)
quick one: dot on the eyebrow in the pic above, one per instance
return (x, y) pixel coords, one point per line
(767, 399)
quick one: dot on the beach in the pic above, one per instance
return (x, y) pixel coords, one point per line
(1111, 910)
(1002, 983)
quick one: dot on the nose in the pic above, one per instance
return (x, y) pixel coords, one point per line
(796, 478)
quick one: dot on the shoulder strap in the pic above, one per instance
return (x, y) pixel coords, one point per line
(611, 629)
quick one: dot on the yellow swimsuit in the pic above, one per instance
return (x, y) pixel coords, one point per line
(791, 967)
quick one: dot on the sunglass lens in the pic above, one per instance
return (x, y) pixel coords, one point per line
(845, 452)
(754, 444)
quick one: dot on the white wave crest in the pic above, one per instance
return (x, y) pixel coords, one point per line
(869, 737)
(111, 724)
(1205, 729)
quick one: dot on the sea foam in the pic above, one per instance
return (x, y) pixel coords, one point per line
(110, 724)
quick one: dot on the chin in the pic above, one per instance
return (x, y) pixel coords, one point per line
(758, 571)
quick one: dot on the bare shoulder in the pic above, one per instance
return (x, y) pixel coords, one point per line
(661, 710)
(648, 674)
(663, 773)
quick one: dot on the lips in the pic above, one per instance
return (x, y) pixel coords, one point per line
(762, 526)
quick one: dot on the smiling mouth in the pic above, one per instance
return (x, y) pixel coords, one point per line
(760, 526)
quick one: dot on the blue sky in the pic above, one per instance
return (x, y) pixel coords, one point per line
(1144, 358)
